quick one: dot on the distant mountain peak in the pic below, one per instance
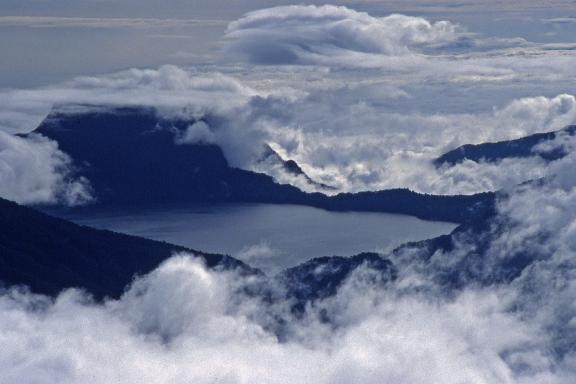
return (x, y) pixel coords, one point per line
(271, 158)
(130, 156)
(539, 144)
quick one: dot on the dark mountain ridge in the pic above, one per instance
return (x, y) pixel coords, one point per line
(130, 156)
(49, 254)
(522, 147)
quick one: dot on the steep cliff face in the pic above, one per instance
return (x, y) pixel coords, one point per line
(131, 156)
(270, 160)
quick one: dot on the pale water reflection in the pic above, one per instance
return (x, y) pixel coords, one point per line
(267, 236)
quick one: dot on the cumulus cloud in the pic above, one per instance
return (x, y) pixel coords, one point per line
(363, 146)
(197, 133)
(365, 129)
(340, 37)
(221, 108)
(33, 171)
(348, 130)
(262, 256)
(166, 88)
(182, 322)
(354, 128)
(340, 133)
(317, 34)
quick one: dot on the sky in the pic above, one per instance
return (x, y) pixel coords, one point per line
(364, 96)
(44, 41)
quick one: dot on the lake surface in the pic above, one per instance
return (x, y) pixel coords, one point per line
(271, 237)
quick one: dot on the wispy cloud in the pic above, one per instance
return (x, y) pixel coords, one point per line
(561, 20)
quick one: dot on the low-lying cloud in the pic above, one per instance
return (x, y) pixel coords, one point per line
(385, 149)
(34, 171)
(354, 128)
(183, 322)
(341, 136)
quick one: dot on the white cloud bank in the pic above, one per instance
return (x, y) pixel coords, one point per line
(340, 135)
(33, 170)
(340, 37)
(355, 128)
(183, 323)
(363, 146)
(324, 34)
